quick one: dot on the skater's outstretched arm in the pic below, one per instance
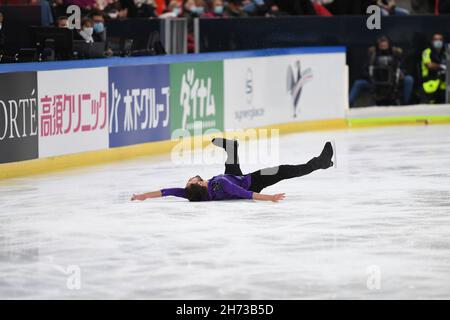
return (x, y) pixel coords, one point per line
(268, 197)
(176, 192)
(145, 196)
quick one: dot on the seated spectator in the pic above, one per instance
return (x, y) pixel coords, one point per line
(112, 10)
(87, 31)
(215, 9)
(234, 9)
(320, 9)
(145, 8)
(2, 34)
(61, 22)
(293, 7)
(423, 6)
(83, 4)
(253, 7)
(191, 9)
(98, 20)
(345, 7)
(173, 10)
(390, 8)
(434, 68)
(384, 65)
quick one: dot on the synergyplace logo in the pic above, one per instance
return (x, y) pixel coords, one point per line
(296, 80)
(250, 110)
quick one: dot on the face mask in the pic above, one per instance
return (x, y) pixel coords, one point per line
(438, 44)
(176, 11)
(88, 31)
(113, 15)
(99, 27)
(218, 10)
(197, 10)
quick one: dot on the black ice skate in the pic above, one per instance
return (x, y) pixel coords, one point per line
(323, 161)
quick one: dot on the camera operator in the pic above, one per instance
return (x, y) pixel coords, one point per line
(434, 67)
(384, 75)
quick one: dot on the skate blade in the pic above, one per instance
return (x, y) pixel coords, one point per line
(333, 144)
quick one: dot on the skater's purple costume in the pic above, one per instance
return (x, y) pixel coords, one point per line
(235, 185)
(221, 187)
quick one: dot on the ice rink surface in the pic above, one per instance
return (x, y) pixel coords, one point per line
(376, 227)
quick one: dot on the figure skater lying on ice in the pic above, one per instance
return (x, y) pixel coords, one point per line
(235, 185)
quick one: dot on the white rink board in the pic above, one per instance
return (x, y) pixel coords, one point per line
(83, 128)
(257, 89)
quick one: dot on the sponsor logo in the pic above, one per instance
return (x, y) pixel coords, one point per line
(19, 123)
(196, 98)
(141, 109)
(139, 104)
(251, 112)
(249, 86)
(63, 114)
(197, 95)
(296, 80)
(18, 117)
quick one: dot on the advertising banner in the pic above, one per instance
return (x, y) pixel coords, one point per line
(73, 111)
(18, 116)
(281, 89)
(139, 100)
(196, 96)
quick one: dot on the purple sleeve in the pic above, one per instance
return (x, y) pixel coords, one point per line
(176, 192)
(235, 190)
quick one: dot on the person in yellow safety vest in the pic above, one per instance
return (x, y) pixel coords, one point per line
(434, 70)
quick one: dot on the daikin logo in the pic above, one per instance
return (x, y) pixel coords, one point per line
(296, 80)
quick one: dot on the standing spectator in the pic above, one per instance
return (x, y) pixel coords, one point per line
(390, 8)
(46, 12)
(434, 67)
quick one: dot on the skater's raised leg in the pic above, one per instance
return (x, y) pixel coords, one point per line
(266, 177)
(231, 147)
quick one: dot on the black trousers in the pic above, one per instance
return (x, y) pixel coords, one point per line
(269, 176)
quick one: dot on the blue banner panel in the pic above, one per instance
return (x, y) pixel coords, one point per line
(139, 99)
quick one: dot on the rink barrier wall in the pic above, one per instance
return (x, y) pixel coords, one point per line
(239, 92)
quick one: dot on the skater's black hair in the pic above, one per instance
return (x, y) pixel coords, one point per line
(196, 192)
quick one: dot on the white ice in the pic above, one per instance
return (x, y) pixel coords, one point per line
(376, 227)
